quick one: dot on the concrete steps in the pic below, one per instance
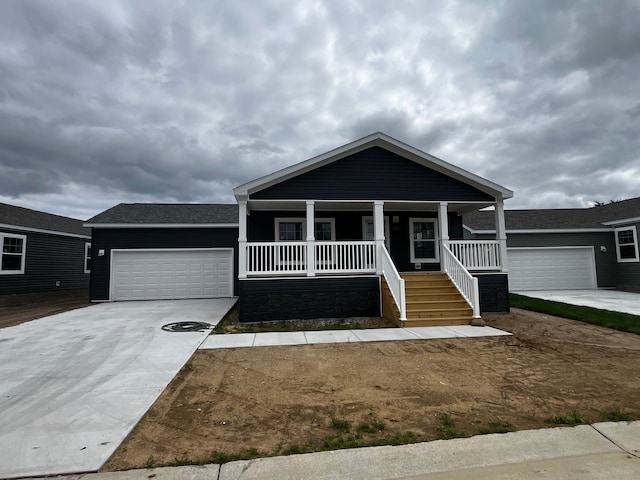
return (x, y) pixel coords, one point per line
(432, 300)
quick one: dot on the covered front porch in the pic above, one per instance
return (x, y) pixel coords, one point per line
(387, 239)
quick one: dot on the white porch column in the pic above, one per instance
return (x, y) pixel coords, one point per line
(443, 223)
(378, 229)
(242, 239)
(501, 234)
(311, 239)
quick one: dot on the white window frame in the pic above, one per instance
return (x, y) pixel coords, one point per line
(303, 221)
(87, 246)
(387, 236)
(435, 240)
(634, 233)
(4, 235)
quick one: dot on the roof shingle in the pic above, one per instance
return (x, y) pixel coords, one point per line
(554, 219)
(27, 218)
(168, 213)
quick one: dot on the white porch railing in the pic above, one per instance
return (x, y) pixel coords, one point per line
(345, 257)
(270, 258)
(463, 280)
(477, 254)
(394, 280)
(285, 258)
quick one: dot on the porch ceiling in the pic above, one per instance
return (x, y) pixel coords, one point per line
(365, 206)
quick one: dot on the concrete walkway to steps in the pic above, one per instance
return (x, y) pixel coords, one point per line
(269, 339)
(587, 452)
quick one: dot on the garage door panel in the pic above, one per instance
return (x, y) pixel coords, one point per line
(171, 274)
(551, 268)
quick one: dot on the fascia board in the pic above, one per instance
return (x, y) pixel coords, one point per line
(623, 221)
(541, 231)
(162, 225)
(41, 230)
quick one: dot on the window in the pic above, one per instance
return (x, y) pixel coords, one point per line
(424, 235)
(13, 253)
(87, 258)
(627, 244)
(295, 229)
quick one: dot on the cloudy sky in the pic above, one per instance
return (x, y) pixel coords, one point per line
(103, 102)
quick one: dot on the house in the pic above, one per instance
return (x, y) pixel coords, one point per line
(371, 228)
(575, 248)
(42, 251)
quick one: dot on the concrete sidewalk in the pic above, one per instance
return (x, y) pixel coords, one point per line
(599, 451)
(270, 339)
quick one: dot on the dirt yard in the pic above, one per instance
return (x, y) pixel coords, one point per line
(273, 398)
(17, 309)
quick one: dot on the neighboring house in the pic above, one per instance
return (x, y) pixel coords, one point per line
(577, 248)
(361, 230)
(42, 251)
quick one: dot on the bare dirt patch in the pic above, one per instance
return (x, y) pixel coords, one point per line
(271, 398)
(17, 309)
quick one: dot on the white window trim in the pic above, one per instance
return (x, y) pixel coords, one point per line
(24, 253)
(387, 236)
(87, 245)
(632, 228)
(435, 240)
(303, 221)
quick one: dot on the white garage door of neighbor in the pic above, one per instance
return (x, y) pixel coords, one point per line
(171, 274)
(571, 268)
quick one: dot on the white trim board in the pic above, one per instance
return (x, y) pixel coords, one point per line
(41, 230)
(161, 225)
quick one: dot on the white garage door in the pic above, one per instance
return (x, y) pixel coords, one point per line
(570, 268)
(171, 274)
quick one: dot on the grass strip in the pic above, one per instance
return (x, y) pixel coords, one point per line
(624, 322)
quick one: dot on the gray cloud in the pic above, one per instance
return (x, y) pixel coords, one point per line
(103, 102)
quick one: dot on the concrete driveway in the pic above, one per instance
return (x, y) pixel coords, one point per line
(73, 385)
(613, 300)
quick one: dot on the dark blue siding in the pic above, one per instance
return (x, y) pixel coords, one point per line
(307, 298)
(50, 259)
(373, 174)
(117, 238)
(261, 228)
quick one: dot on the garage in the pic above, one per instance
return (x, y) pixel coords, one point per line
(554, 268)
(171, 274)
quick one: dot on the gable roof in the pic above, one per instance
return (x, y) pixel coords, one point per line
(382, 140)
(601, 217)
(26, 219)
(166, 214)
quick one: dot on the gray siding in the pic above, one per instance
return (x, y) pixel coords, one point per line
(373, 174)
(50, 259)
(629, 272)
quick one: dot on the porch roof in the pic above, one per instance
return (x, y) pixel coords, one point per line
(388, 143)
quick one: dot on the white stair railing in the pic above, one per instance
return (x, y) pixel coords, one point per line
(466, 283)
(394, 280)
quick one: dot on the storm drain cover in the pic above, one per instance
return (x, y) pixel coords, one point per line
(186, 327)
